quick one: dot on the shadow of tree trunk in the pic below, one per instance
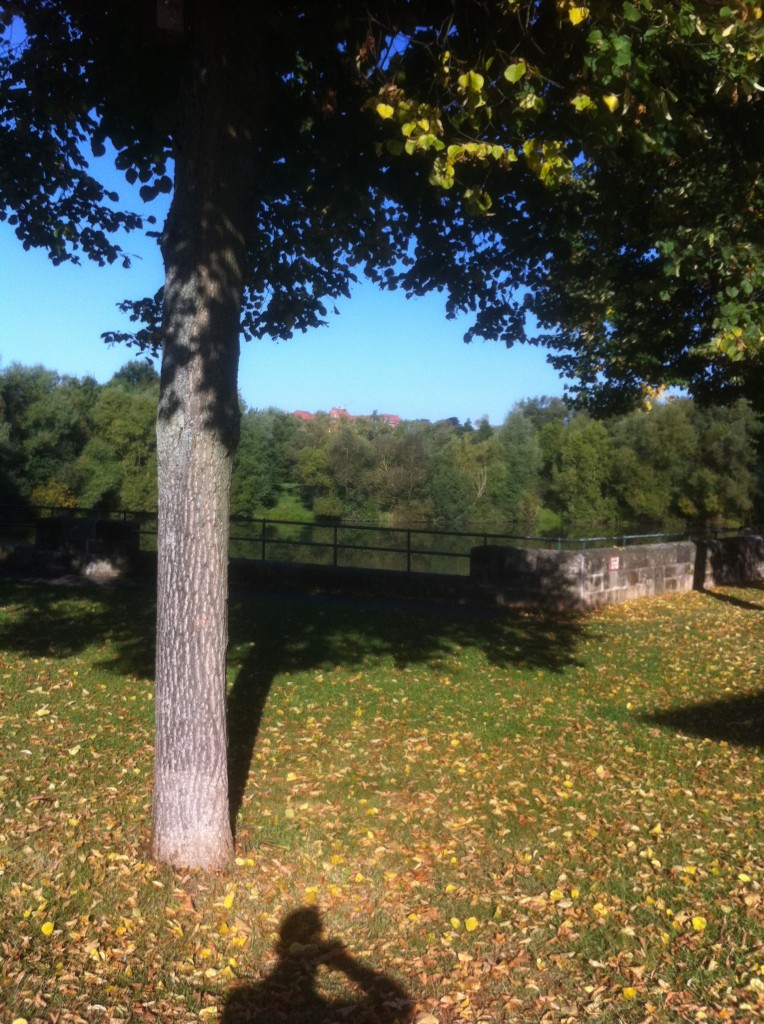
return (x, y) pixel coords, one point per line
(292, 633)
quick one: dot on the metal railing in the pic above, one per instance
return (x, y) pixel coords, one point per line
(341, 544)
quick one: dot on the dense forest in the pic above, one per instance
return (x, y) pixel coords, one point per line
(673, 466)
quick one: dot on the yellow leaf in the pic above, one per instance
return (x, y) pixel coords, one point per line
(456, 923)
(611, 102)
(578, 14)
(208, 1012)
(699, 924)
(47, 928)
(20, 1020)
(385, 111)
(73, 751)
(515, 72)
(555, 895)
(228, 900)
(629, 993)
(42, 711)
(471, 924)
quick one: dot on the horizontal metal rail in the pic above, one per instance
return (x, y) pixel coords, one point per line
(273, 539)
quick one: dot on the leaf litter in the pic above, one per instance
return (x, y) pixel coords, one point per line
(458, 821)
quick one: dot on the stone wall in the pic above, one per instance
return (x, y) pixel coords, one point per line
(600, 576)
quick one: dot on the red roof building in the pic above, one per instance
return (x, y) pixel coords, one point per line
(338, 413)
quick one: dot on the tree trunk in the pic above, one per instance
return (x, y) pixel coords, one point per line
(204, 248)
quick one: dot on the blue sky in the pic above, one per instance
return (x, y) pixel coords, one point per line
(382, 353)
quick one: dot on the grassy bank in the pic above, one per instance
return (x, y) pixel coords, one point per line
(520, 818)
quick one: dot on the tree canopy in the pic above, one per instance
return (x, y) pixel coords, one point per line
(615, 153)
(596, 167)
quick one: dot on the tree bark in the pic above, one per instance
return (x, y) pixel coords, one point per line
(204, 248)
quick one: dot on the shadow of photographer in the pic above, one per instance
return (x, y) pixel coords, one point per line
(292, 992)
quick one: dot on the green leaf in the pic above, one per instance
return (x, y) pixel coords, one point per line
(472, 81)
(426, 141)
(514, 72)
(582, 102)
(478, 201)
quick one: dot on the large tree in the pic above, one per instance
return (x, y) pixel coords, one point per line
(481, 147)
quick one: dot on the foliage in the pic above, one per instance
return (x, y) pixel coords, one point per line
(517, 818)
(686, 464)
(260, 464)
(47, 421)
(666, 468)
(54, 494)
(613, 152)
(522, 460)
(673, 466)
(118, 468)
(74, 440)
(582, 471)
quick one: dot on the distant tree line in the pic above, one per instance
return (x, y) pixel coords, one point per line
(72, 442)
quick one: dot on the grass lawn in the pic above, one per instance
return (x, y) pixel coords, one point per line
(492, 819)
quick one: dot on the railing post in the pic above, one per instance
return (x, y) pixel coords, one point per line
(408, 550)
(335, 545)
(262, 540)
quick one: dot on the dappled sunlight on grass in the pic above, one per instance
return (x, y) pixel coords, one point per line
(510, 817)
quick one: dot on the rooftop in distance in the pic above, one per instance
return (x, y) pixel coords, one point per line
(338, 413)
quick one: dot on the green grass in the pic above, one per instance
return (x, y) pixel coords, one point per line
(519, 818)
